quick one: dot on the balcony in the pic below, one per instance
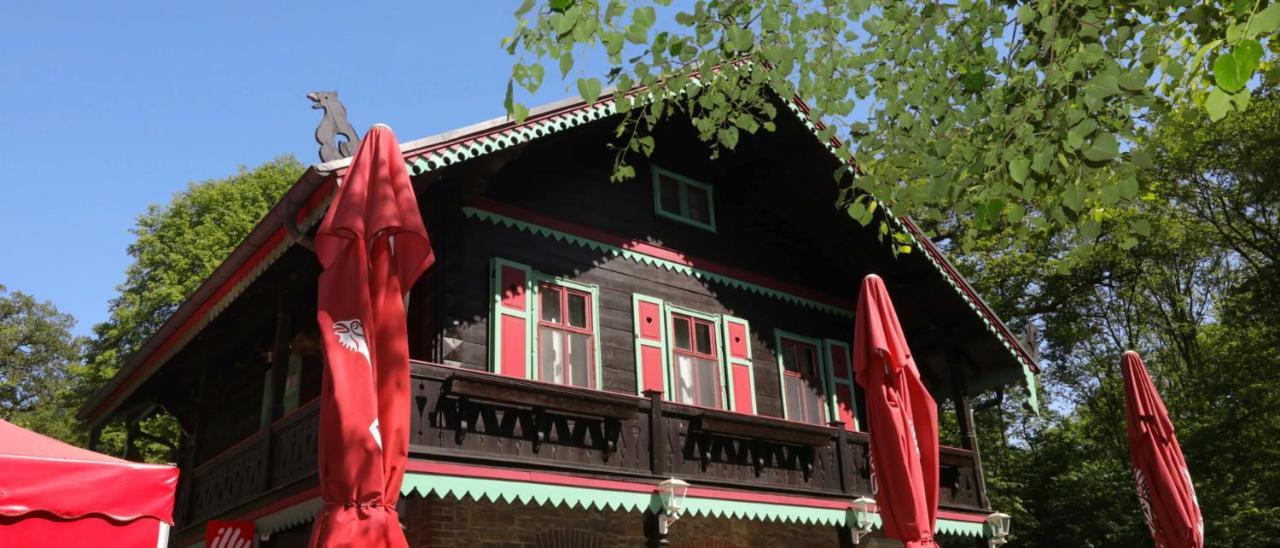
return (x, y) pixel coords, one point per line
(479, 418)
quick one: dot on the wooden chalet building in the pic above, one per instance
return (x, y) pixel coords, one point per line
(577, 342)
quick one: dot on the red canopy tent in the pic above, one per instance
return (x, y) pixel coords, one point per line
(54, 494)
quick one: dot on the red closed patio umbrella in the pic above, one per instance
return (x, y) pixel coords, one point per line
(1165, 491)
(902, 421)
(53, 494)
(373, 246)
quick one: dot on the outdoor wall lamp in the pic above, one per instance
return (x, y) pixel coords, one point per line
(673, 493)
(998, 526)
(862, 513)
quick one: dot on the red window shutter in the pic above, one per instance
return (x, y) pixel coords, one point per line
(737, 345)
(510, 323)
(843, 382)
(651, 343)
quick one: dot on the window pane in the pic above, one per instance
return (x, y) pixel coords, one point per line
(550, 355)
(578, 310)
(702, 333)
(684, 380)
(550, 304)
(580, 358)
(708, 383)
(699, 205)
(805, 355)
(680, 328)
(669, 194)
(813, 403)
(794, 403)
(788, 354)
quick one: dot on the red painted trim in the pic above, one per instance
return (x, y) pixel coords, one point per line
(657, 251)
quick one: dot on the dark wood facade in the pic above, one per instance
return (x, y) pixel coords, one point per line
(246, 444)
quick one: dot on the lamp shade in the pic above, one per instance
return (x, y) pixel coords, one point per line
(673, 492)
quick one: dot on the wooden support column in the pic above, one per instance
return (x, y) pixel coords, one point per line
(658, 449)
(132, 432)
(843, 464)
(95, 436)
(279, 366)
(968, 435)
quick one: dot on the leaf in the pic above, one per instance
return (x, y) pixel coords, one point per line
(1102, 86)
(1026, 14)
(1128, 187)
(637, 34)
(1247, 53)
(507, 100)
(1228, 74)
(524, 8)
(1128, 243)
(1199, 56)
(1267, 20)
(1018, 169)
(566, 64)
(859, 213)
(1133, 81)
(589, 89)
(1218, 104)
(1142, 159)
(1104, 148)
(728, 137)
(560, 5)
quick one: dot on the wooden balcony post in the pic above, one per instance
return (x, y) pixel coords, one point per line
(658, 450)
(843, 464)
(968, 436)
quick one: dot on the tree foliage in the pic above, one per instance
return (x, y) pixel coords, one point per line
(1200, 300)
(38, 355)
(1024, 115)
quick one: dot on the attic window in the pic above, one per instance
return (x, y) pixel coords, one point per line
(683, 200)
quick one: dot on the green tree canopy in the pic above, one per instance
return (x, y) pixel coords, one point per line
(1024, 115)
(37, 357)
(1200, 300)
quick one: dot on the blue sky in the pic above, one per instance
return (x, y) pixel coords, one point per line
(107, 108)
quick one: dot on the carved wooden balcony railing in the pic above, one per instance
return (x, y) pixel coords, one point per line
(481, 418)
(474, 417)
(268, 460)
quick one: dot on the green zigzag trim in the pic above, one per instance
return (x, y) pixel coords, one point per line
(1032, 399)
(502, 220)
(529, 493)
(732, 509)
(507, 138)
(509, 492)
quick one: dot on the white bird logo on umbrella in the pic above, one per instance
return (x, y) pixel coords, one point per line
(351, 336)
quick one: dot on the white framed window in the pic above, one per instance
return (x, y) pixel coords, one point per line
(683, 200)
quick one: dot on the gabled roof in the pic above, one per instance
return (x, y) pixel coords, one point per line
(308, 198)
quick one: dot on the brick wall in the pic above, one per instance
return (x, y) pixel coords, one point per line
(434, 522)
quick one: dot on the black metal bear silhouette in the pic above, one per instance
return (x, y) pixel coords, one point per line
(332, 125)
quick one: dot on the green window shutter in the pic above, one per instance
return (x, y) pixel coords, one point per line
(511, 320)
(842, 400)
(735, 344)
(651, 344)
